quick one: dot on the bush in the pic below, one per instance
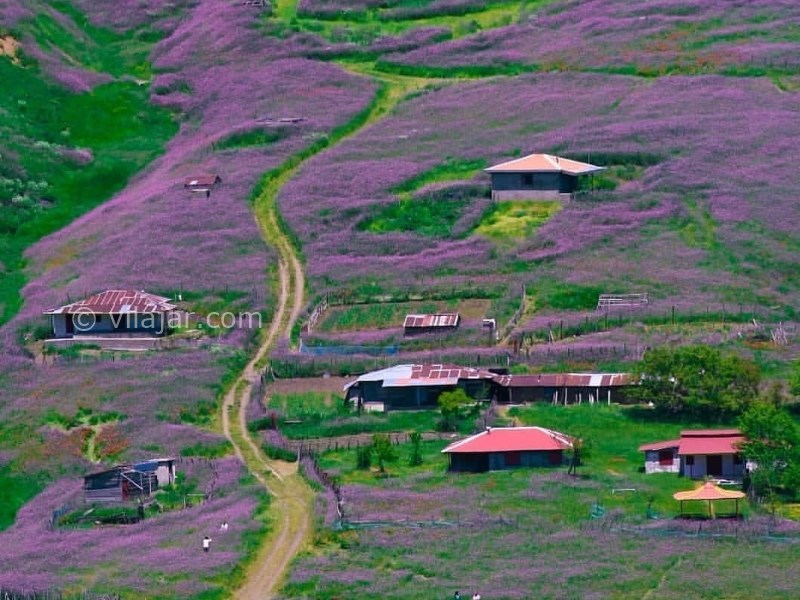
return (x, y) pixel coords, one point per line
(364, 457)
(278, 453)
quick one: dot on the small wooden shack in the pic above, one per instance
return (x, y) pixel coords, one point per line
(416, 324)
(129, 482)
(538, 177)
(508, 447)
(202, 184)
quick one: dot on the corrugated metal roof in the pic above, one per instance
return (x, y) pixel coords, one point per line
(205, 180)
(421, 375)
(116, 302)
(544, 163)
(432, 320)
(511, 439)
(564, 380)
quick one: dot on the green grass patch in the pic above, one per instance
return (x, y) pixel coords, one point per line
(15, 490)
(44, 125)
(516, 220)
(450, 170)
(352, 424)
(253, 137)
(207, 450)
(344, 462)
(373, 316)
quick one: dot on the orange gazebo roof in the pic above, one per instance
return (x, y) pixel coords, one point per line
(708, 491)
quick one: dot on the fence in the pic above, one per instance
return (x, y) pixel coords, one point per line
(25, 594)
(347, 350)
(617, 300)
(514, 320)
(318, 311)
(755, 321)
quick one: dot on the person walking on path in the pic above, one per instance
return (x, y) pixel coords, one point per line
(206, 543)
(476, 596)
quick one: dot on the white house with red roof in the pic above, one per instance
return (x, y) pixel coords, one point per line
(537, 177)
(499, 448)
(698, 453)
(112, 312)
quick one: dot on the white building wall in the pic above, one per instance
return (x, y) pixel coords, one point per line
(652, 465)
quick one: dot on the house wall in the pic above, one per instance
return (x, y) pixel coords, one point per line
(699, 469)
(59, 323)
(513, 186)
(574, 395)
(500, 460)
(416, 396)
(652, 464)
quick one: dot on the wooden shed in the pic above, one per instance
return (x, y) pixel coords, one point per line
(202, 183)
(538, 177)
(499, 448)
(562, 388)
(119, 484)
(415, 324)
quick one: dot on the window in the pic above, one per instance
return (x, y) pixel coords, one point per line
(690, 460)
(665, 458)
(527, 179)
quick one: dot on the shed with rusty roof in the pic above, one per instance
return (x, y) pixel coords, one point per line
(416, 386)
(112, 312)
(508, 447)
(202, 183)
(415, 324)
(537, 177)
(562, 388)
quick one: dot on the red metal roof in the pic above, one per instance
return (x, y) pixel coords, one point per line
(544, 163)
(548, 380)
(660, 445)
(432, 320)
(116, 302)
(511, 439)
(710, 441)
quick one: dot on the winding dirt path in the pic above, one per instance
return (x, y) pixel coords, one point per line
(291, 516)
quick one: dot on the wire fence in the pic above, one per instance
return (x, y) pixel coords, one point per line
(7, 593)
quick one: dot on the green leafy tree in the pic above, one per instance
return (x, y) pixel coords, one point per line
(696, 380)
(416, 449)
(454, 407)
(773, 443)
(363, 457)
(383, 450)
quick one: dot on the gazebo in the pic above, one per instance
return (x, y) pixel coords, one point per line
(710, 493)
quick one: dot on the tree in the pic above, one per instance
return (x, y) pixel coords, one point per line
(416, 449)
(384, 451)
(363, 458)
(696, 380)
(773, 443)
(454, 407)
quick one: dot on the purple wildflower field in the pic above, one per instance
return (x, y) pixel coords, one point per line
(517, 544)
(687, 209)
(162, 551)
(659, 37)
(156, 236)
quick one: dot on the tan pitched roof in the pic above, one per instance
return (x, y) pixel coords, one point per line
(708, 491)
(544, 163)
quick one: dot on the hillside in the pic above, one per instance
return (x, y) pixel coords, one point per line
(350, 139)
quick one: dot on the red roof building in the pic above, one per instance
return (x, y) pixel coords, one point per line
(698, 453)
(508, 447)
